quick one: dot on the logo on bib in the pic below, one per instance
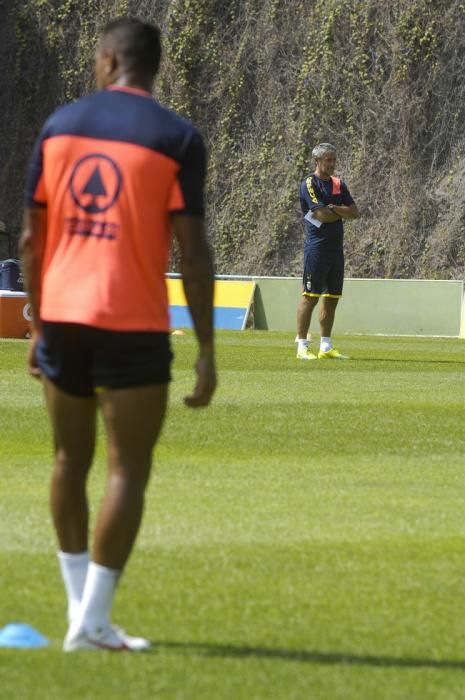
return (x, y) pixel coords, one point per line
(95, 183)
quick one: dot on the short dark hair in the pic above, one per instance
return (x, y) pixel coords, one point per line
(321, 149)
(136, 42)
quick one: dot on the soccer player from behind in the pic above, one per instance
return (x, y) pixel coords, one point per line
(112, 176)
(326, 202)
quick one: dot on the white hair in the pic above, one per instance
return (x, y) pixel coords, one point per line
(322, 148)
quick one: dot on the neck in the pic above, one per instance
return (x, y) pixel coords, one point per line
(321, 175)
(132, 81)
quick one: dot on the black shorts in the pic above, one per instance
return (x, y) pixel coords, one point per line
(81, 359)
(323, 273)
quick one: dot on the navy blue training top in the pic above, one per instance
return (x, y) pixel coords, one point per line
(316, 193)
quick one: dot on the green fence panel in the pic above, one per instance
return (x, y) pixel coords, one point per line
(371, 306)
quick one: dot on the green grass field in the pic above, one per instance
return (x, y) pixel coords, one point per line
(304, 538)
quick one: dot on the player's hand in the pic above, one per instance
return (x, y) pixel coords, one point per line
(206, 382)
(32, 366)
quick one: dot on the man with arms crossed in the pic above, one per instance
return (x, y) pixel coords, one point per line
(111, 175)
(326, 202)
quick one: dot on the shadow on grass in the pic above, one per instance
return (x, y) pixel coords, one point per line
(401, 360)
(303, 656)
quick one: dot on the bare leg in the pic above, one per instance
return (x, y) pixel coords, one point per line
(304, 315)
(133, 419)
(73, 425)
(327, 313)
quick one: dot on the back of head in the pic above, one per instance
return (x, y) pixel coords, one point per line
(137, 44)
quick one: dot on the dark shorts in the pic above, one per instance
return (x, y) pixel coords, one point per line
(81, 360)
(323, 273)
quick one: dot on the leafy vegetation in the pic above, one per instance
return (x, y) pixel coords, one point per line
(265, 82)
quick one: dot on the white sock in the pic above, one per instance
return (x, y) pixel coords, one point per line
(325, 344)
(73, 571)
(97, 598)
(303, 343)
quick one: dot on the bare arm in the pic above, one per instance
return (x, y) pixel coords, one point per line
(344, 211)
(32, 249)
(198, 281)
(327, 215)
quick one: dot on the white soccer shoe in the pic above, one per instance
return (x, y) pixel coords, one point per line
(108, 639)
(304, 353)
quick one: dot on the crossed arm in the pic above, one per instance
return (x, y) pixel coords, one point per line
(334, 212)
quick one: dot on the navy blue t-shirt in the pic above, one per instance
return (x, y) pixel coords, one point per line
(316, 193)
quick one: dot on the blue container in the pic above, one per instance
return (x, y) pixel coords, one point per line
(11, 276)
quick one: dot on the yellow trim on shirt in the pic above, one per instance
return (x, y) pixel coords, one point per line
(311, 190)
